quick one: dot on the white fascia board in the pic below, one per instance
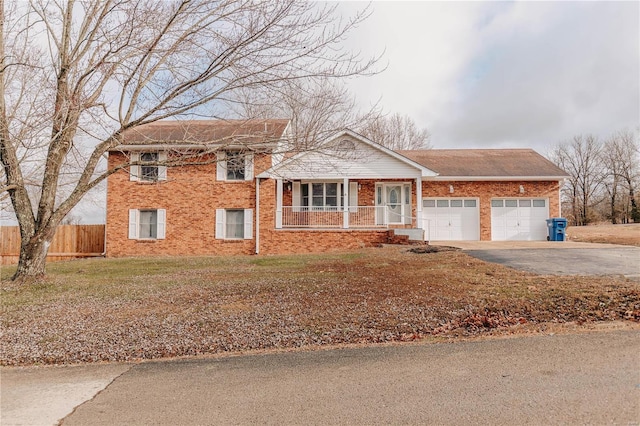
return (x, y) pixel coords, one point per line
(496, 178)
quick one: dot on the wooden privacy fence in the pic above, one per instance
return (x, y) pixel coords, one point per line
(69, 241)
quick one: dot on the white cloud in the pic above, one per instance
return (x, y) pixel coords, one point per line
(507, 74)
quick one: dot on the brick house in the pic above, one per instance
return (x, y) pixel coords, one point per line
(224, 187)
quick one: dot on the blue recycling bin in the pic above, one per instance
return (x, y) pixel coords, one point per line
(557, 227)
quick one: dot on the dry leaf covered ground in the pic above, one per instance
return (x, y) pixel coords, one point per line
(128, 309)
(625, 234)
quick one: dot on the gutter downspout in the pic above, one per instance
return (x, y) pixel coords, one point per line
(257, 215)
(106, 209)
(560, 185)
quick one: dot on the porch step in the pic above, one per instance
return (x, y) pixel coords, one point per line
(413, 234)
(405, 236)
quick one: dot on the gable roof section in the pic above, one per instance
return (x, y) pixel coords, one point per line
(366, 159)
(204, 133)
(487, 164)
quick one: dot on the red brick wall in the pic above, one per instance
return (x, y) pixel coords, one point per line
(485, 191)
(190, 196)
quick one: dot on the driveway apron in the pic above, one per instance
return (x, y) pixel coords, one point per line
(558, 258)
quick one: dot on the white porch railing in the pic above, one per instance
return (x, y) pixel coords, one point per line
(333, 217)
(362, 217)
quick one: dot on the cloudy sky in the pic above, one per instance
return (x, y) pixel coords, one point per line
(504, 74)
(498, 74)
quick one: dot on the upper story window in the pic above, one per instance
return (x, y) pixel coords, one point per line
(234, 166)
(150, 168)
(149, 172)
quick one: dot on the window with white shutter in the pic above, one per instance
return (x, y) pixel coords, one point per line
(234, 224)
(317, 196)
(234, 166)
(151, 168)
(147, 224)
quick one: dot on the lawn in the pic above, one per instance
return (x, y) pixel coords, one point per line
(625, 234)
(131, 309)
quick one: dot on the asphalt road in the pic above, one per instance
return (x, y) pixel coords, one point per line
(590, 378)
(605, 260)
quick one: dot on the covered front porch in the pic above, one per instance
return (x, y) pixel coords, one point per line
(348, 184)
(348, 204)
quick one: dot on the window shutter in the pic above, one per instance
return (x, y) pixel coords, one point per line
(248, 224)
(162, 170)
(162, 224)
(248, 166)
(221, 166)
(133, 224)
(220, 223)
(134, 171)
(296, 197)
(407, 205)
(353, 197)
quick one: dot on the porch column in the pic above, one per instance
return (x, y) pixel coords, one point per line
(257, 215)
(419, 219)
(278, 203)
(345, 207)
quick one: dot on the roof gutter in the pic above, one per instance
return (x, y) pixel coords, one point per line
(176, 146)
(496, 178)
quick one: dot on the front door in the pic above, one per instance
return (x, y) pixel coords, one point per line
(393, 203)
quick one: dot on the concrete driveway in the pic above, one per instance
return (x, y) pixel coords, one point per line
(556, 258)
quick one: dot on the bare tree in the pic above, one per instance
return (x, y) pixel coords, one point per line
(397, 132)
(622, 165)
(581, 159)
(317, 109)
(75, 75)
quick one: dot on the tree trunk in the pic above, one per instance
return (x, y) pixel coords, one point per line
(635, 212)
(613, 208)
(33, 255)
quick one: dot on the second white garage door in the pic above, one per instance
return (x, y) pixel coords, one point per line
(519, 219)
(451, 219)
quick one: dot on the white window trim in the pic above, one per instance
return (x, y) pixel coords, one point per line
(221, 167)
(221, 222)
(297, 194)
(135, 170)
(134, 224)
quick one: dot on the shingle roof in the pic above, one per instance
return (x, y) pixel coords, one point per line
(186, 132)
(486, 163)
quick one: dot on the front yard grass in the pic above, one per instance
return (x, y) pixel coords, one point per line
(130, 309)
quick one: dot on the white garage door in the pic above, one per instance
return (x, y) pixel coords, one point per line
(522, 219)
(451, 219)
